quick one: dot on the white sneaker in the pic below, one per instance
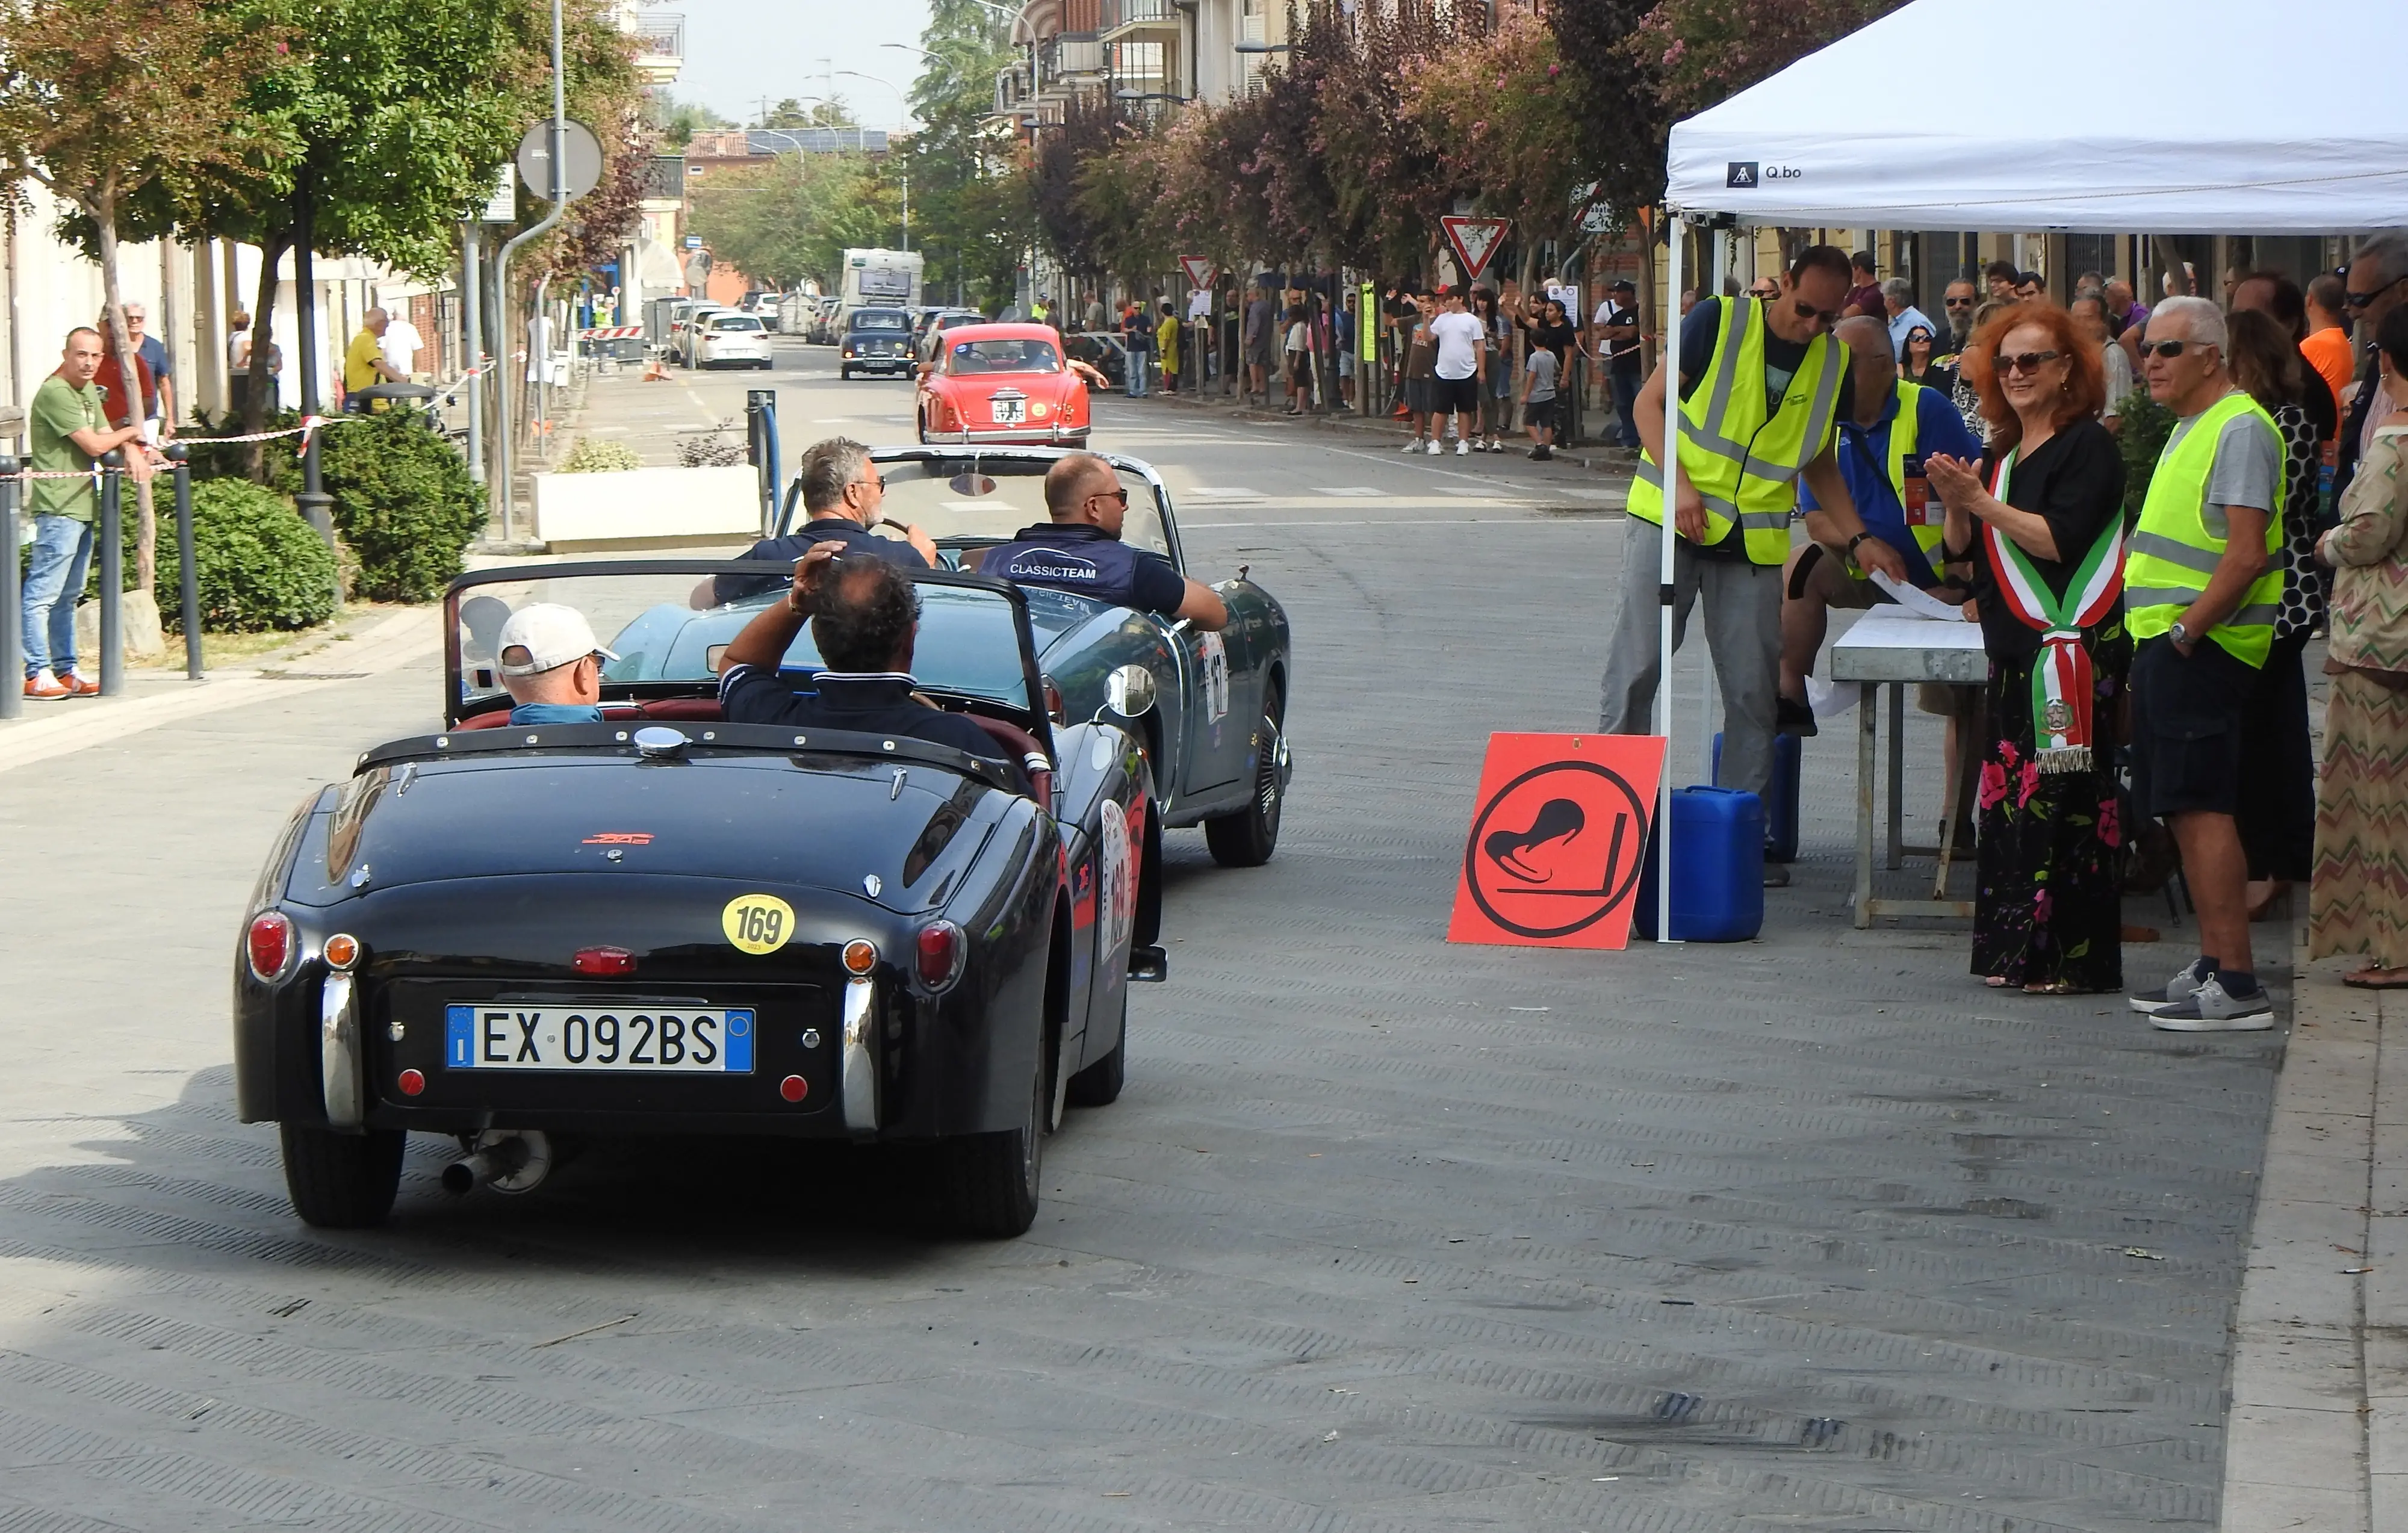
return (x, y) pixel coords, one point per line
(2211, 1009)
(2177, 990)
(1414, 445)
(1434, 448)
(1463, 450)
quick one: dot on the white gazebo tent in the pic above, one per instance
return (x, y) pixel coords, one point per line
(2187, 131)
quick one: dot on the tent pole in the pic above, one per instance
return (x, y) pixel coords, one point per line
(1671, 466)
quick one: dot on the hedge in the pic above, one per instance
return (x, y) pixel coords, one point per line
(404, 506)
(260, 566)
(403, 502)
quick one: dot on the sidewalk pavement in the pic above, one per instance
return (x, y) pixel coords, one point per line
(158, 697)
(2317, 1431)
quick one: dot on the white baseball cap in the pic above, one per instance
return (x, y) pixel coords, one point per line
(549, 635)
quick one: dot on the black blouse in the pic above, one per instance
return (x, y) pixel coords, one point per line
(2076, 481)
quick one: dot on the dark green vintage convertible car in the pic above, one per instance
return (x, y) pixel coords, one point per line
(1216, 743)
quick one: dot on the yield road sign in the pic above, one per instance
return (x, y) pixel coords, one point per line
(1475, 241)
(1200, 270)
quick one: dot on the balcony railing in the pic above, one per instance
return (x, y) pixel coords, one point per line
(1014, 87)
(1067, 58)
(1127, 13)
(659, 36)
(665, 178)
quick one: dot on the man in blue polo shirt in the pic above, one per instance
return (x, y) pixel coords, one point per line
(843, 495)
(1893, 426)
(1081, 550)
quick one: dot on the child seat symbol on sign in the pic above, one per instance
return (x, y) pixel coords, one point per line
(1558, 842)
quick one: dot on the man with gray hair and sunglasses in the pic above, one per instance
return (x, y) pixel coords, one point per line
(2202, 590)
(1901, 315)
(843, 497)
(2376, 281)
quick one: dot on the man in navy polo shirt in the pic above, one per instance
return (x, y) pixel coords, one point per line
(1081, 550)
(1891, 427)
(865, 617)
(843, 493)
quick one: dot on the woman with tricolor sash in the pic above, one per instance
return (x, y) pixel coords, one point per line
(2039, 525)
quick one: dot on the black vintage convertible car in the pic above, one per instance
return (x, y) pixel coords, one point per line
(531, 936)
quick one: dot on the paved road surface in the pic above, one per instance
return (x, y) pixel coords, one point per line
(1384, 1234)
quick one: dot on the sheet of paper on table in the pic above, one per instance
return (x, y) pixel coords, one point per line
(1917, 602)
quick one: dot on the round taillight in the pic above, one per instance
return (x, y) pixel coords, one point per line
(342, 951)
(860, 955)
(412, 1082)
(793, 1088)
(939, 955)
(270, 944)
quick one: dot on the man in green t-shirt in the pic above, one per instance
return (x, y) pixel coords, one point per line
(69, 425)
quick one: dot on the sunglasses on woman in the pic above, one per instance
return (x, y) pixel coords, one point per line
(2025, 362)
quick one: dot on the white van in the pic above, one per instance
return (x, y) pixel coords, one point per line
(876, 278)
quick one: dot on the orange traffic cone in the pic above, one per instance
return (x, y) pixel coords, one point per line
(654, 372)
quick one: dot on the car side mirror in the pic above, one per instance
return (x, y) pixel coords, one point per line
(1131, 692)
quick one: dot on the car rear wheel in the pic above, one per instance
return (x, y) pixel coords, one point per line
(1248, 837)
(987, 1183)
(341, 1180)
(845, 374)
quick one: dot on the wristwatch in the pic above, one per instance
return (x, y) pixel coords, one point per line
(2180, 634)
(1854, 541)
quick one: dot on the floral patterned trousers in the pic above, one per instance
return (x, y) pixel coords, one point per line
(2048, 907)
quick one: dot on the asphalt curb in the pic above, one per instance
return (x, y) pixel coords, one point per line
(2317, 1435)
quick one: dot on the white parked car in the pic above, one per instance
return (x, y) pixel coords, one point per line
(729, 339)
(682, 350)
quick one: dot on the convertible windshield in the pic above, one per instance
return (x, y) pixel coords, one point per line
(969, 644)
(1004, 356)
(944, 497)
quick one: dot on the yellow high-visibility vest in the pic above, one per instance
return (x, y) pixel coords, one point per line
(2173, 553)
(1743, 459)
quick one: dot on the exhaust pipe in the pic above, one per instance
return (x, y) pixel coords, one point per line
(512, 1160)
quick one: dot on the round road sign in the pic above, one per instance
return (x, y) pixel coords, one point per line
(584, 166)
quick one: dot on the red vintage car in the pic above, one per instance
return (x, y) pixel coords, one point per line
(1003, 383)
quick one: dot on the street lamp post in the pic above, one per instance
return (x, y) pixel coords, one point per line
(902, 102)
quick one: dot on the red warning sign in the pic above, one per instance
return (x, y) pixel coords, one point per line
(1558, 840)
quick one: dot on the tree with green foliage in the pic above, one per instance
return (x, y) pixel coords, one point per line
(106, 106)
(828, 112)
(792, 218)
(1499, 108)
(677, 122)
(404, 114)
(1703, 51)
(961, 158)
